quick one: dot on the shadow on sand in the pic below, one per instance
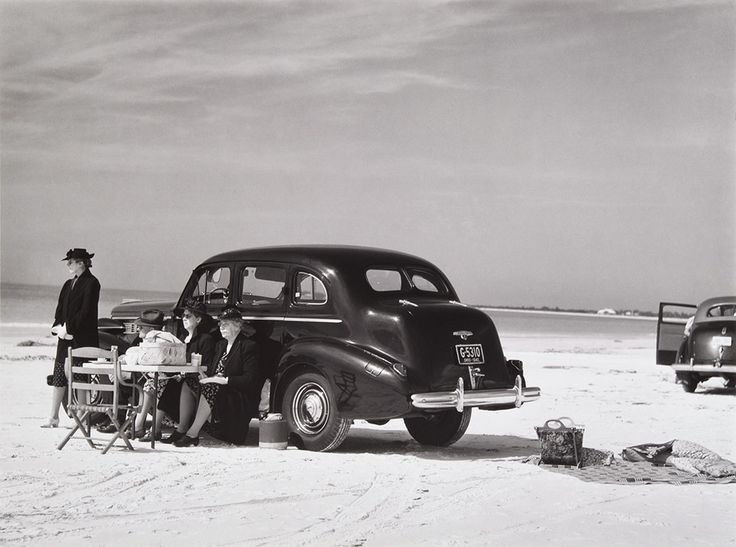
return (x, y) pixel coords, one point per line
(388, 442)
(470, 447)
(707, 390)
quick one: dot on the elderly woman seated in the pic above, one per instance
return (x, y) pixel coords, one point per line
(230, 390)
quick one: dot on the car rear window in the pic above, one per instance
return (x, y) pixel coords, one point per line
(722, 310)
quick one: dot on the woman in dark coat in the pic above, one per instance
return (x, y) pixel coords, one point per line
(75, 320)
(198, 340)
(231, 390)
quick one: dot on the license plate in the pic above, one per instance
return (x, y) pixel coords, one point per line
(721, 341)
(469, 354)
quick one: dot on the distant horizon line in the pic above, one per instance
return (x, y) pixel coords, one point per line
(620, 312)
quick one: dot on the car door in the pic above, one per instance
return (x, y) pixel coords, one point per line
(311, 310)
(261, 297)
(671, 321)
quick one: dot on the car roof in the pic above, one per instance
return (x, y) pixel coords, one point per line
(322, 255)
(705, 305)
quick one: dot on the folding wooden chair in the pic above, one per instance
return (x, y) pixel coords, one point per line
(86, 397)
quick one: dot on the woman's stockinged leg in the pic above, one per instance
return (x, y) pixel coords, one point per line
(203, 414)
(146, 406)
(187, 406)
(57, 397)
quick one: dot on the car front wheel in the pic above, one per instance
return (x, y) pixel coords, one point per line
(440, 428)
(311, 411)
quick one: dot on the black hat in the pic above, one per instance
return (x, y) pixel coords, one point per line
(77, 254)
(231, 314)
(151, 318)
(195, 306)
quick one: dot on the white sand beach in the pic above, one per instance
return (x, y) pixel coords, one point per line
(380, 487)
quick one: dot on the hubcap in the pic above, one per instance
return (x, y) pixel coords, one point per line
(310, 408)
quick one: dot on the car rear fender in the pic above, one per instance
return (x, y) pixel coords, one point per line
(364, 384)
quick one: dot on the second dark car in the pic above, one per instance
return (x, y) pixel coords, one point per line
(355, 333)
(701, 346)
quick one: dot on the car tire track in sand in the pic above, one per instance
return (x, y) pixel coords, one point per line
(377, 505)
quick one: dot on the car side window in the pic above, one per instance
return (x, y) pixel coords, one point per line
(213, 285)
(262, 285)
(309, 290)
(421, 282)
(384, 280)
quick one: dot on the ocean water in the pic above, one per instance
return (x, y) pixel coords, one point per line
(564, 325)
(33, 306)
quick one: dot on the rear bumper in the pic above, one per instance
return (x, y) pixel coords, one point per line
(706, 368)
(460, 399)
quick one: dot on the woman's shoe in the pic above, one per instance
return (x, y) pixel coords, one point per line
(146, 438)
(53, 422)
(108, 427)
(186, 440)
(175, 436)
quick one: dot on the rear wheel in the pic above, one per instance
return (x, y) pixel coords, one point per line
(310, 409)
(689, 382)
(440, 428)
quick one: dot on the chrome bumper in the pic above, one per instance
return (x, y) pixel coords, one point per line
(460, 399)
(717, 369)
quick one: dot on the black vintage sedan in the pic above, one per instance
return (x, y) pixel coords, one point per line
(354, 333)
(701, 346)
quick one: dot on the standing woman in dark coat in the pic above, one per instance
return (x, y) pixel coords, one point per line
(231, 390)
(75, 321)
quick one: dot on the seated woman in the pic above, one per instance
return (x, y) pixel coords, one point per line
(230, 390)
(150, 322)
(196, 323)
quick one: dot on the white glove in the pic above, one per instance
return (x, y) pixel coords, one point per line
(61, 333)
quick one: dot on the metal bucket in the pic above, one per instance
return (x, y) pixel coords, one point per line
(562, 441)
(273, 432)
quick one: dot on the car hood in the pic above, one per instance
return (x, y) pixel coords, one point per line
(133, 310)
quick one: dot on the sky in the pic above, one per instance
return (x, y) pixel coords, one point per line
(541, 153)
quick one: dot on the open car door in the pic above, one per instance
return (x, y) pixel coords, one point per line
(671, 322)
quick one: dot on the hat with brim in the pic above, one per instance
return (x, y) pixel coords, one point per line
(151, 318)
(231, 314)
(195, 306)
(77, 254)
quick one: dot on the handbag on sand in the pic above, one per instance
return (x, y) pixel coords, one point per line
(562, 441)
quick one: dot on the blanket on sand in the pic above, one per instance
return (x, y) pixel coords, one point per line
(683, 455)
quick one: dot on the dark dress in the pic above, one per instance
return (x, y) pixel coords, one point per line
(236, 402)
(77, 308)
(203, 344)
